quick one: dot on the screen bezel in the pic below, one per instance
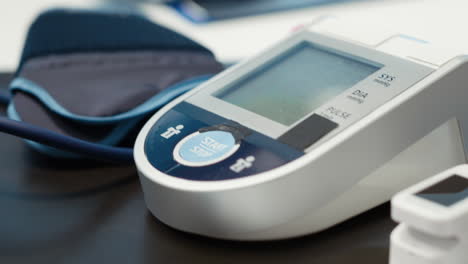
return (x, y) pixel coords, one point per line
(280, 60)
(440, 184)
(408, 71)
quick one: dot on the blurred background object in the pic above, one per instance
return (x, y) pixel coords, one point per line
(212, 10)
(239, 37)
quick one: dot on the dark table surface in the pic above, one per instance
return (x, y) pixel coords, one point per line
(55, 211)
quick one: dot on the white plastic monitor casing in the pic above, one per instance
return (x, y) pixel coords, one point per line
(415, 134)
(429, 233)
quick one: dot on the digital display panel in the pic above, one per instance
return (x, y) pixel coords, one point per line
(447, 192)
(296, 83)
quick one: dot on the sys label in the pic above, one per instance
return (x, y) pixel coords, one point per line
(385, 79)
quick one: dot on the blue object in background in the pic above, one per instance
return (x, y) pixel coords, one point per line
(200, 11)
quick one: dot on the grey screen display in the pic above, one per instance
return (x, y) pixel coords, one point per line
(296, 83)
(447, 192)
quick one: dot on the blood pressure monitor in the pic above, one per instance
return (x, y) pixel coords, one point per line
(433, 218)
(326, 124)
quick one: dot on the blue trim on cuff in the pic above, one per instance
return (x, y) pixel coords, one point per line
(152, 104)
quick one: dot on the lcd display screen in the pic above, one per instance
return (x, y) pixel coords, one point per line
(296, 83)
(447, 192)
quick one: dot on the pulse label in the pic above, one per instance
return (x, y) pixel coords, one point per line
(333, 112)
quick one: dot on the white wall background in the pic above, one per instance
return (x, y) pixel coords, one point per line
(444, 22)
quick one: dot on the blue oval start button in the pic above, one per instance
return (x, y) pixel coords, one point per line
(206, 148)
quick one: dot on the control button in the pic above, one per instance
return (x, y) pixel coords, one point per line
(205, 148)
(242, 164)
(172, 127)
(415, 49)
(308, 132)
(352, 30)
(171, 131)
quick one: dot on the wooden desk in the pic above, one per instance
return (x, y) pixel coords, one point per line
(55, 211)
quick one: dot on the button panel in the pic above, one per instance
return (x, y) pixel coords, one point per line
(210, 148)
(247, 160)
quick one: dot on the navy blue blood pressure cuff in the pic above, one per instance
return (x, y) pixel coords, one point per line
(98, 76)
